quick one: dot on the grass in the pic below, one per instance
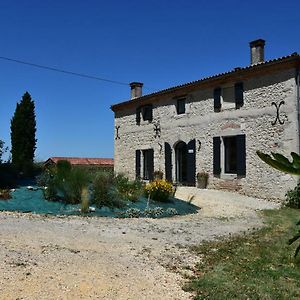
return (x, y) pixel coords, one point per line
(258, 265)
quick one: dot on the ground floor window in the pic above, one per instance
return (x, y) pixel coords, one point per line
(229, 155)
(148, 164)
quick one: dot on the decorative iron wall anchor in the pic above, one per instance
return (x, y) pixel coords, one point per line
(199, 145)
(160, 147)
(157, 130)
(281, 122)
(117, 132)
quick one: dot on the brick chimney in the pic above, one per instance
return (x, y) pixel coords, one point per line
(257, 51)
(136, 89)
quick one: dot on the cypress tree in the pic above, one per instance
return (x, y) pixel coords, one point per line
(23, 129)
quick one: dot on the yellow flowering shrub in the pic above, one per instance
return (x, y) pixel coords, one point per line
(159, 190)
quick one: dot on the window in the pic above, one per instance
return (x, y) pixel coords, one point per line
(148, 166)
(180, 106)
(146, 112)
(229, 155)
(229, 97)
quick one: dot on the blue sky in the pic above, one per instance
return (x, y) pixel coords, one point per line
(160, 43)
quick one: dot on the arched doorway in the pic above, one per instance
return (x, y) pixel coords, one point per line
(181, 151)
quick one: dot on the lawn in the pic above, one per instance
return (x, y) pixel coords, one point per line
(259, 265)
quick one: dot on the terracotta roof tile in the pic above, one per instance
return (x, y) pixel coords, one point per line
(84, 161)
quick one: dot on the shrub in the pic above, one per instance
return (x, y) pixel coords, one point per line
(105, 193)
(128, 190)
(65, 182)
(293, 197)
(159, 190)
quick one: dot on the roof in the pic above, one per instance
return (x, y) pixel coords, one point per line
(292, 58)
(83, 161)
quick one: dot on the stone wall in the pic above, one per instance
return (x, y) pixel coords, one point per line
(200, 122)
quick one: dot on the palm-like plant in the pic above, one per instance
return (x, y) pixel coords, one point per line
(281, 163)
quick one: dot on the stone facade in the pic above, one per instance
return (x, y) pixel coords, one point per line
(255, 119)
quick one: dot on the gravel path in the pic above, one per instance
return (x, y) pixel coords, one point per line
(103, 258)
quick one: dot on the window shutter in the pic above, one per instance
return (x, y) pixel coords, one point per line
(150, 166)
(168, 162)
(191, 163)
(216, 155)
(150, 112)
(137, 164)
(239, 94)
(138, 115)
(241, 154)
(217, 99)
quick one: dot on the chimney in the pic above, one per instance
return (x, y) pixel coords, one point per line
(257, 51)
(136, 89)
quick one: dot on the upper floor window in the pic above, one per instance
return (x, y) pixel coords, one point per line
(180, 106)
(229, 97)
(146, 112)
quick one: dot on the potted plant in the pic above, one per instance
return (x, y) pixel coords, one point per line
(202, 179)
(158, 174)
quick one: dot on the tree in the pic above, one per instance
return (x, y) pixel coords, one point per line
(23, 129)
(2, 150)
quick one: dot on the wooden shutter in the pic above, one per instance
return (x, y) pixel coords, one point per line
(191, 163)
(216, 155)
(241, 154)
(138, 115)
(150, 166)
(239, 94)
(168, 162)
(217, 99)
(137, 164)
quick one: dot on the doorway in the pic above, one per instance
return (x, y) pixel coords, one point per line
(181, 162)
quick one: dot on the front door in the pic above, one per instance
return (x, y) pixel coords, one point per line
(181, 162)
(186, 163)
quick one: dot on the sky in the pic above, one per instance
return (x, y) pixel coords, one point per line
(160, 43)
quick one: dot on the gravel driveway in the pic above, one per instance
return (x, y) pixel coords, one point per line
(103, 258)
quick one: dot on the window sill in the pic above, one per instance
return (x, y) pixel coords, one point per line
(178, 116)
(228, 176)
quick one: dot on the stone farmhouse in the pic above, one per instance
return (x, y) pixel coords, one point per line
(215, 125)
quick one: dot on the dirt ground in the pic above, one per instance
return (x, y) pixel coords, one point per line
(104, 258)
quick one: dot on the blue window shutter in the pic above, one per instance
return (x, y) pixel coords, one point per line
(191, 163)
(239, 94)
(216, 155)
(168, 162)
(137, 164)
(241, 154)
(150, 166)
(217, 99)
(138, 115)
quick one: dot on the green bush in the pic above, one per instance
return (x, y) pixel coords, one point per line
(293, 197)
(65, 182)
(114, 191)
(104, 194)
(128, 190)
